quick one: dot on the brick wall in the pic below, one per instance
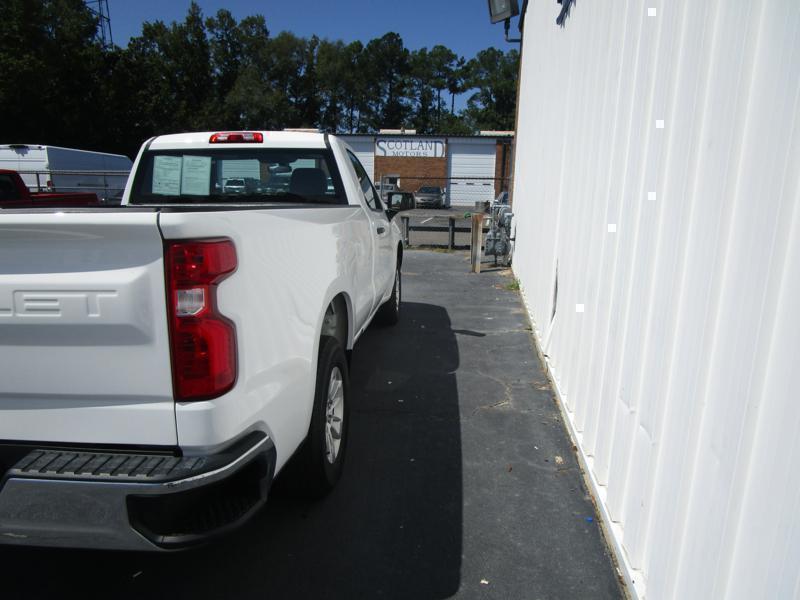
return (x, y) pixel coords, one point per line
(432, 171)
(499, 183)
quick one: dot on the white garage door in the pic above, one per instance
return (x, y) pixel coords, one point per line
(471, 159)
(364, 147)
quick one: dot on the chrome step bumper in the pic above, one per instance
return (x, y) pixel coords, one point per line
(132, 501)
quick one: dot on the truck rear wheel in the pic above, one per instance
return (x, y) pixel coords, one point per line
(319, 462)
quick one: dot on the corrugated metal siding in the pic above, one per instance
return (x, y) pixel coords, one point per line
(677, 377)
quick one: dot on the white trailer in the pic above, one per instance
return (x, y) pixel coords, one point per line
(51, 168)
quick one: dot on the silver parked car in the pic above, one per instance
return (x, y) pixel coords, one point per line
(234, 186)
(429, 196)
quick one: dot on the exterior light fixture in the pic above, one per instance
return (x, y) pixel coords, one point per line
(500, 10)
(503, 10)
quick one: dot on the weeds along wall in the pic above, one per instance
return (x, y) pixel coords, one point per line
(658, 249)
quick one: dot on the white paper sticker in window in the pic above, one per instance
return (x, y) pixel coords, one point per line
(196, 177)
(167, 175)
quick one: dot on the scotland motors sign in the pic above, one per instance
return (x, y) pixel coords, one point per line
(411, 148)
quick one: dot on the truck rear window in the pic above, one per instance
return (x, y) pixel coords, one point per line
(237, 175)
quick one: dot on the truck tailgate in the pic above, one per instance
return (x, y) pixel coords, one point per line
(84, 347)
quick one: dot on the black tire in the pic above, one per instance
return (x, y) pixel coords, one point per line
(314, 474)
(389, 312)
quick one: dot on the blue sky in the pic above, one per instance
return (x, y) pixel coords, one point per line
(462, 25)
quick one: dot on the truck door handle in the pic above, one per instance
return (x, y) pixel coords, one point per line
(381, 230)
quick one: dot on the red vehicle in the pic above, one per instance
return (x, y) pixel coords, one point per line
(15, 194)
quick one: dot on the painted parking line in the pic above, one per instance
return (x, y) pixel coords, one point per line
(426, 220)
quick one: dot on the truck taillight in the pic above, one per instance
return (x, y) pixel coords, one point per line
(203, 340)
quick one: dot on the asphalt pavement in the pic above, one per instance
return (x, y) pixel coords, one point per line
(460, 482)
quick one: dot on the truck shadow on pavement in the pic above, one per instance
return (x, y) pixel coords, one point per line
(391, 529)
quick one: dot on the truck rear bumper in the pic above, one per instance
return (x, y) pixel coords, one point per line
(127, 501)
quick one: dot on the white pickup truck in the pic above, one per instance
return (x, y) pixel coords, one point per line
(162, 361)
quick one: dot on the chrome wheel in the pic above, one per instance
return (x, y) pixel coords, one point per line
(334, 413)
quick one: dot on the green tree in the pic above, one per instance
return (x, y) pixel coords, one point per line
(307, 90)
(246, 100)
(177, 60)
(254, 41)
(494, 74)
(216, 73)
(386, 67)
(455, 82)
(357, 88)
(443, 63)
(226, 59)
(455, 125)
(332, 71)
(425, 117)
(286, 59)
(192, 57)
(130, 112)
(51, 65)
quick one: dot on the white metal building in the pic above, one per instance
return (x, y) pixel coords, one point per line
(469, 163)
(657, 201)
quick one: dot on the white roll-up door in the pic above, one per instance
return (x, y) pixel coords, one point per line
(364, 148)
(474, 160)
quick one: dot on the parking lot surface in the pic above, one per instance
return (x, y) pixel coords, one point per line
(461, 481)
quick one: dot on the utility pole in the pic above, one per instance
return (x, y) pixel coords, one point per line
(99, 9)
